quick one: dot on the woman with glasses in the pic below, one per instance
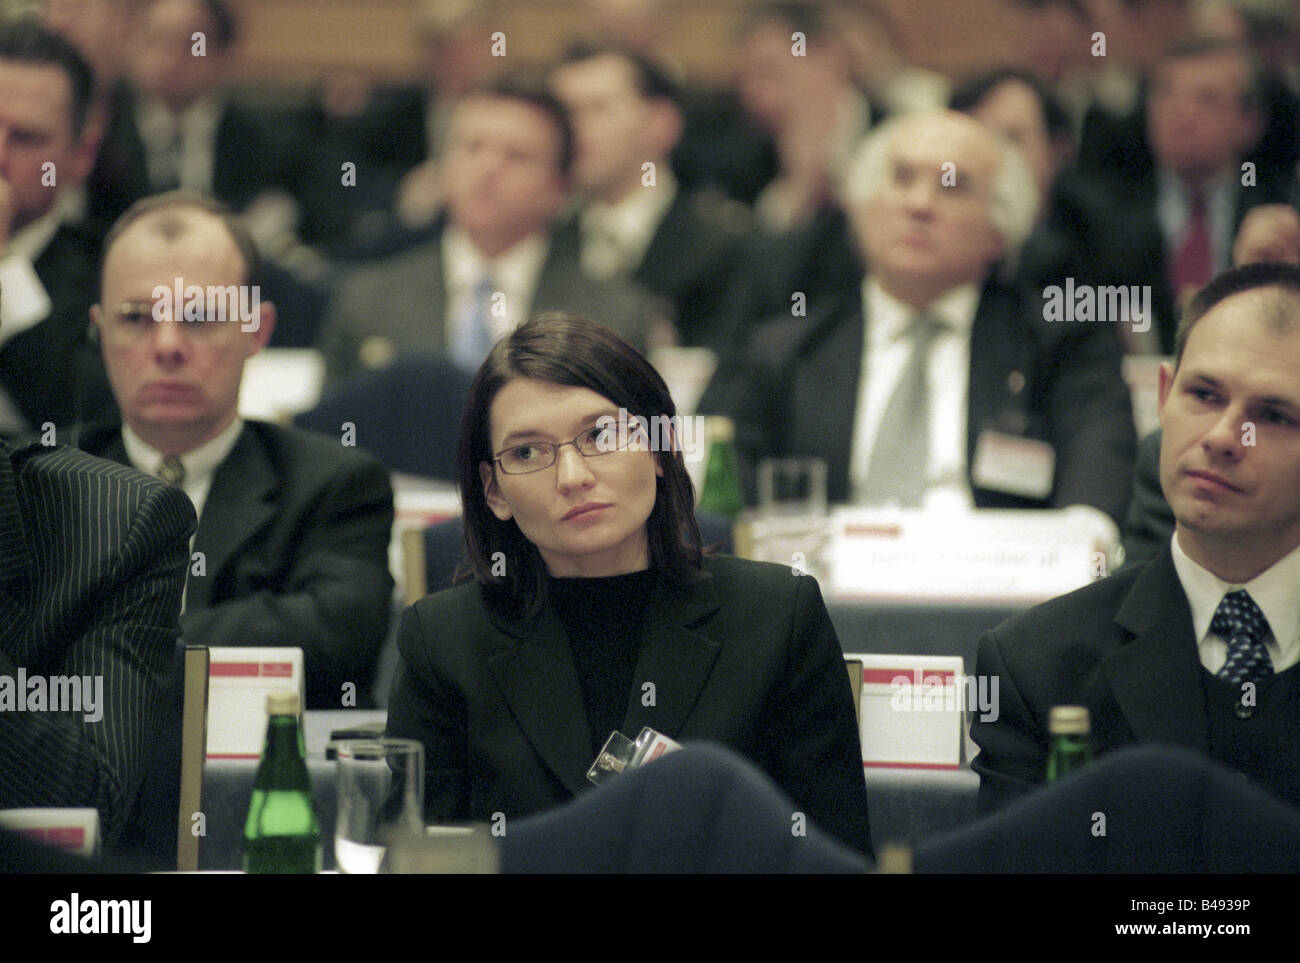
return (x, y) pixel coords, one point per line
(592, 607)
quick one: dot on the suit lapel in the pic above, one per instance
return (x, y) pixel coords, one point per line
(533, 657)
(675, 658)
(826, 395)
(239, 505)
(1156, 677)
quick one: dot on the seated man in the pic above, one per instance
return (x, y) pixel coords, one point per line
(495, 261)
(1199, 646)
(292, 545)
(88, 623)
(914, 384)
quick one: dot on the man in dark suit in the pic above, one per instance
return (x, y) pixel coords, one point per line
(47, 266)
(1199, 646)
(175, 126)
(292, 546)
(495, 261)
(1188, 174)
(1001, 382)
(636, 222)
(92, 563)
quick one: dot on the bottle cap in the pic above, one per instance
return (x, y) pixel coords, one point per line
(282, 703)
(1069, 721)
(720, 429)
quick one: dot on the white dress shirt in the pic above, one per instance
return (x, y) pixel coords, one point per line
(514, 274)
(197, 128)
(615, 237)
(200, 464)
(1275, 590)
(887, 351)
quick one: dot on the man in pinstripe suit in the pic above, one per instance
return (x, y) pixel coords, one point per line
(92, 563)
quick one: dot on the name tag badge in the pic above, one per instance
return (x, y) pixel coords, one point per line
(1017, 466)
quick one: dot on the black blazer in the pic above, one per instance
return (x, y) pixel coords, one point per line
(1124, 647)
(44, 367)
(747, 658)
(92, 561)
(692, 261)
(295, 535)
(1051, 382)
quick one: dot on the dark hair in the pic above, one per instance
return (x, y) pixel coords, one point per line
(529, 86)
(175, 227)
(1252, 94)
(1234, 281)
(568, 350)
(26, 41)
(225, 27)
(809, 17)
(971, 94)
(652, 80)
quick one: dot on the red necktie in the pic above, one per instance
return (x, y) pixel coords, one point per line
(1192, 264)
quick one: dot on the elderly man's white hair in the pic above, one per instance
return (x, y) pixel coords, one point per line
(1013, 203)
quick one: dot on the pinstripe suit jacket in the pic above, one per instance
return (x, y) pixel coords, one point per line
(92, 561)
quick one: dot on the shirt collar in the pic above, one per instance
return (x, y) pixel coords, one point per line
(636, 217)
(890, 316)
(1275, 591)
(512, 270)
(32, 240)
(199, 463)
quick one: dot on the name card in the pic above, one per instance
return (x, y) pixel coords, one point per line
(986, 557)
(238, 680)
(279, 383)
(73, 829)
(911, 710)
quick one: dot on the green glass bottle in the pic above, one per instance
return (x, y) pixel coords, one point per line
(1070, 731)
(282, 834)
(721, 492)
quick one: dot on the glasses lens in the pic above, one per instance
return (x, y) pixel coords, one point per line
(523, 459)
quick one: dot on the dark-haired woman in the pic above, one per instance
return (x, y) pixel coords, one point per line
(592, 607)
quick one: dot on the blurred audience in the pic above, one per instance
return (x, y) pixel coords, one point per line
(495, 260)
(909, 384)
(635, 222)
(48, 263)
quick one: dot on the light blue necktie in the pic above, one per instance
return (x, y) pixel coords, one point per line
(474, 339)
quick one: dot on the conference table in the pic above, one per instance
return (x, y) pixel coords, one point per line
(906, 805)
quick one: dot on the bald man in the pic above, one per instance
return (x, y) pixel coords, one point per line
(292, 545)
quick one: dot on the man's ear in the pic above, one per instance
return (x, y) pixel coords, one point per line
(261, 334)
(492, 492)
(1166, 382)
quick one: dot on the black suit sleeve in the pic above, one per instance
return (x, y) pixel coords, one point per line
(125, 637)
(1013, 751)
(422, 708)
(336, 600)
(1150, 522)
(1092, 424)
(817, 755)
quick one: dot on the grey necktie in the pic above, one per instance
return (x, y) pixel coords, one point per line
(172, 470)
(900, 457)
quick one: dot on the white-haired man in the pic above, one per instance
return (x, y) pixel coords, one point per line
(930, 383)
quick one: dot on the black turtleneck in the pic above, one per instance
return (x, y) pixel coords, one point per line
(603, 618)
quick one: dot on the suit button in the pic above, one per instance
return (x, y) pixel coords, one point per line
(1245, 712)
